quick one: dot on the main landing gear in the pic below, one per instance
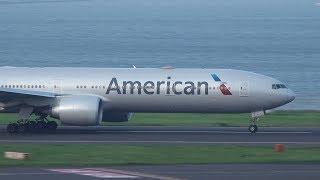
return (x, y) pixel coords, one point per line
(25, 125)
(32, 126)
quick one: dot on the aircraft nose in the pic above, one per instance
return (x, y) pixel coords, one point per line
(291, 95)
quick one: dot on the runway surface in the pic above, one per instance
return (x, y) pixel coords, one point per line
(214, 171)
(169, 135)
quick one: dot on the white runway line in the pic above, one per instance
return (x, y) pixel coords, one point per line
(93, 173)
(221, 132)
(139, 174)
(15, 174)
(161, 142)
(109, 173)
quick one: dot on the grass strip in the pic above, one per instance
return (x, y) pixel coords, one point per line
(101, 155)
(275, 119)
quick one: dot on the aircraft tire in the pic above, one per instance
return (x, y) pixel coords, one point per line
(253, 128)
(12, 128)
(22, 128)
(51, 126)
(40, 127)
(31, 126)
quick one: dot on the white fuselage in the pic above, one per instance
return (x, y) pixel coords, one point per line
(156, 90)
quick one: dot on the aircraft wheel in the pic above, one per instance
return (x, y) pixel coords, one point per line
(31, 126)
(253, 128)
(21, 128)
(12, 128)
(40, 126)
(51, 126)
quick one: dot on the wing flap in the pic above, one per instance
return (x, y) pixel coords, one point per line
(14, 97)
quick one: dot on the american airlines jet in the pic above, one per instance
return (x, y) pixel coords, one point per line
(88, 96)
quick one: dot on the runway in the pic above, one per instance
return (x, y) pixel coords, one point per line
(169, 135)
(172, 172)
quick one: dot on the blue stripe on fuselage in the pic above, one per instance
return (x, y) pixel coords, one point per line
(215, 77)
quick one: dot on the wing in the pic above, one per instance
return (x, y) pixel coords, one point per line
(16, 97)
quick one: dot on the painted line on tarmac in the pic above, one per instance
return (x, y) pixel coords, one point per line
(221, 132)
(159, 142)
(93, 173)
(269, 172)
(138, 174)
(15, 174)
(109, 173)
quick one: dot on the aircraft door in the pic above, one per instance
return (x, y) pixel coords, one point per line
(244, 89)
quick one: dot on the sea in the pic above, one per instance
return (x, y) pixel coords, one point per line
(278, 38)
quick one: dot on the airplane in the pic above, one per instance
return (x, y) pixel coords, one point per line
(89, 96)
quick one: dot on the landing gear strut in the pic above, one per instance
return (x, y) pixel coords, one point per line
(253, 128)
(25, 125)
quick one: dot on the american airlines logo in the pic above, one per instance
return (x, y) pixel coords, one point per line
(223, 88)
(167, 87)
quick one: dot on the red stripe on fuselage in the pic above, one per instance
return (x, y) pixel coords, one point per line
(224, 89)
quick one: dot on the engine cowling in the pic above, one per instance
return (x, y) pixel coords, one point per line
(116, 116)
(79, 110)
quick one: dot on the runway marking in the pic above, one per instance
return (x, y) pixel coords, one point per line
(206, 131)
(136, 174)
(110, 173)
(160, 142)
(14, 174)
(93, 173)
(265, 171)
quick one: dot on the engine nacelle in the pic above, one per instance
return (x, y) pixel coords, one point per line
(116, 116)
(79, 110)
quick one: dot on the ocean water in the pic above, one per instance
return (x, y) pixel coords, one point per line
(278, 38)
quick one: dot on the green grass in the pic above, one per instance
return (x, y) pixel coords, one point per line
(278, 119)
(101, 155)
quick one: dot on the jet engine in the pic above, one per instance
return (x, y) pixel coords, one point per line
(116, 116)
(79, 110)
